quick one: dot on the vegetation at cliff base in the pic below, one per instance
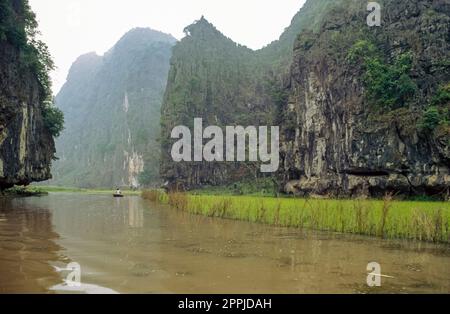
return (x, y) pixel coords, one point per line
(427, 221)
(257, 186)
(22, 191)
(62, 189)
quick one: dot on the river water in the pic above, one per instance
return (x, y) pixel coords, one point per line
(131, 245)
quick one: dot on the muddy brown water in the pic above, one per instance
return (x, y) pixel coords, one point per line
(130, 245)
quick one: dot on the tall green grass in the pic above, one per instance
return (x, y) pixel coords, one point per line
(427, 221)
(155, 196)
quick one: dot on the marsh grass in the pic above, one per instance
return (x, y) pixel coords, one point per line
(178, 200)
(154, 195)
(387, 218)
(387, 202)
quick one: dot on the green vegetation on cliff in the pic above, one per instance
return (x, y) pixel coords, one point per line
(389, 86)
(53, 118)
(19, 27)
(438, 112)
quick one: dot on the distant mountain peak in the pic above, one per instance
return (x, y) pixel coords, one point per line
(204, 31)
(87, 58)
(148, 34)
(201, 24)
(141, 37)
(84, 63)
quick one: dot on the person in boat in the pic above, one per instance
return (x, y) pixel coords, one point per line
(118, 191)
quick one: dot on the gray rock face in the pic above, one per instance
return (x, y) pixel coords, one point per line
(26, 146)
(333, 142)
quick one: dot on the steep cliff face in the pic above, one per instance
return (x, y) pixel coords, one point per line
(26, 145)
(213, 78)
(112, 108)
(362, 110)
(336, 139)
(225, 84)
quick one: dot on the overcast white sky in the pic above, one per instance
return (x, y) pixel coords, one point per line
(74, 27)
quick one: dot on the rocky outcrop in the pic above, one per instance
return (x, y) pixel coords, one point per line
(334, 141)
(26, 146)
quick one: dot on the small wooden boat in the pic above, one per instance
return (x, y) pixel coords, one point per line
(117, 195)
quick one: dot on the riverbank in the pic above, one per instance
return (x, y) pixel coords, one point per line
(21, 191)
(44, 190)
(387, 218)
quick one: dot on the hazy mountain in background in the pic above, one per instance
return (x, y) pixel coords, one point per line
(112, 111)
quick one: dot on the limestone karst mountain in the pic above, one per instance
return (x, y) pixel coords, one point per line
(112, 108)
(362, 110)
(225, 83)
